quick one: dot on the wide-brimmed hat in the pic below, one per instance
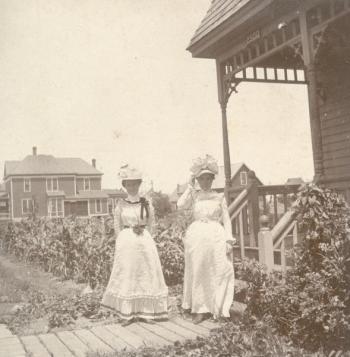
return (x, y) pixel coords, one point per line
(128, 172)
(204, 165)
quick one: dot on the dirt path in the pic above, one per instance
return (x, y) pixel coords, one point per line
(38, 279)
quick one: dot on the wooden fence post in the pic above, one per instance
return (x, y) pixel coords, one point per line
(253, 208)
(265, 244)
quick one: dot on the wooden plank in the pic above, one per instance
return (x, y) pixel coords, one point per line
(33, 345)
(210, 324)
(94, 343)
(162, 332)
(129, 337)
(179, 330)
(148, 337)
(73, 343)
(54, 345)
(109, 338)
(199, 330)
(11, 347)
(5, 332)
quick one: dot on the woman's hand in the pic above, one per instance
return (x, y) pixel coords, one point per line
(192, 181)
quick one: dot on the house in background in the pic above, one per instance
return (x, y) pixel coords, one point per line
(239, 179)
(4, 203)
(54, 187)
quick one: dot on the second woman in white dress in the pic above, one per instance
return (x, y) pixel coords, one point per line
(209, 275)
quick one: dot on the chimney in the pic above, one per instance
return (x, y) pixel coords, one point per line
(93, 163)
(34, 150)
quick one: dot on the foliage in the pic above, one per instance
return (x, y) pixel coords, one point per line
(80, 249)
(161, 204)
(310, 304)
(168, 237)
(58, 310)
(83, 249)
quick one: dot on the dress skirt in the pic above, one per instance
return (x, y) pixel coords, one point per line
(209, 274)
(136, 287)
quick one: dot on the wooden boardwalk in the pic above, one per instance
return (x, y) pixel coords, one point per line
(105, 338)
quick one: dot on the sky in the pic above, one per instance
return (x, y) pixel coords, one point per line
(112, 80)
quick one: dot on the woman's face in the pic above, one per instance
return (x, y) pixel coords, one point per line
(205, 181)
(132, 186)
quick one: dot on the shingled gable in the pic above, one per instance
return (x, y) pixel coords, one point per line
(48, 165)
(220, 19)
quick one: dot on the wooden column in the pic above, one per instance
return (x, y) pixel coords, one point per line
(311, 77)
(223, 99)
(226, 147)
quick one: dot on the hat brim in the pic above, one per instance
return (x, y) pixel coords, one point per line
(132, 178)
(205, 172)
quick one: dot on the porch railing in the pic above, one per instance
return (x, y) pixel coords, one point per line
(263, 222)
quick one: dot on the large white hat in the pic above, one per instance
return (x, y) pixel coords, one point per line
(204, 165)
(127, 172)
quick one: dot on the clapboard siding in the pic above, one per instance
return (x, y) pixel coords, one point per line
(335, 124)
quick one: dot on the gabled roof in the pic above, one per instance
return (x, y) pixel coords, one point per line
(49, 165)
(219, 11)
(219, 182)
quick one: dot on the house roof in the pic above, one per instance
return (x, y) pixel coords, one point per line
(295, 181)
(220, 179)
(49, 165)
(219, 11)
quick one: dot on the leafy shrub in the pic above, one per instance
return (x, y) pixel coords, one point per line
(168, 237)
(311, 304)
(83, 249)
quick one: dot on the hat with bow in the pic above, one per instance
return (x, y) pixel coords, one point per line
(204, 165)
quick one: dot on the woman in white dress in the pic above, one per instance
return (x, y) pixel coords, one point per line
(209, 275)
(136, 288)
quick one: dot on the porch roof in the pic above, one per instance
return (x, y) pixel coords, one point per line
(85, 195)
(55, 193)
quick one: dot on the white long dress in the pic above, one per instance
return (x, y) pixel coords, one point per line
(136, 287)
(209, 274)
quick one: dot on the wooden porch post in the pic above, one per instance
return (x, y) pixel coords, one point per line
(311, 77)
(226, 147)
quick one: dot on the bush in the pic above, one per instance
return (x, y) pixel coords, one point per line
(168, 237)
(311, 303)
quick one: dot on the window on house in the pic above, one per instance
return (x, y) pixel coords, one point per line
(86, 184)
(52, 184)
(27, 205)
(98, 206)
(244, 178)
(55, 207)
(3, 204)
(110, 205)
(27, 185)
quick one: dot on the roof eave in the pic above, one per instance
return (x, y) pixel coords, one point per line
(201, 48)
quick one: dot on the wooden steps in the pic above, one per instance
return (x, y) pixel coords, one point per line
(104, 338)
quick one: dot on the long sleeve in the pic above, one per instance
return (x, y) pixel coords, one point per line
(151, 219)
(117, 220)
(226, 220)
(186, 199)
